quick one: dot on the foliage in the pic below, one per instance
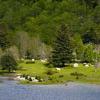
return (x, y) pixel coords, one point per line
(77, 74)
(34, 16)
(78, 47)
(32, 23)
(89, 54)
(4, 41)
(8, 62)
(51, 72)
(28, 55)
(62, 51)
(89, 75)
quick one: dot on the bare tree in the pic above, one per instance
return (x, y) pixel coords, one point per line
(22, 41)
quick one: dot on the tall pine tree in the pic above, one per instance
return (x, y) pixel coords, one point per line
(62, 50)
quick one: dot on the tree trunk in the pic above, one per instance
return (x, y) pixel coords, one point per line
(9, 70)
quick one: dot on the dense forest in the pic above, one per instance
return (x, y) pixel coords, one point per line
(32, 25)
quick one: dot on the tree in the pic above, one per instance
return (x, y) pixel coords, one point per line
(4, 41)
(89, 54)
(79, 47)
(91, 36)
(8, 62)
(90, 3)
(29, 54)
(62, 50)
(22, 42)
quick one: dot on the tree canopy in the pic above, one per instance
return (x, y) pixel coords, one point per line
(43, 17)
(8, 62)
(32, 25)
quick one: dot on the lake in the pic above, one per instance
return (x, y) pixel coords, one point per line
(10, 90)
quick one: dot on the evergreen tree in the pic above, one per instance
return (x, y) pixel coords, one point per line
(62, 51)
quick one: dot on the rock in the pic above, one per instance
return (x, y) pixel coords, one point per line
(22, 79)
(22, 59)
(41, 80)
(43, 60)
(19, 74)
(28, 77)
(58, 69)
(19, 78)
(35, 80)
(14, 71)
(33, 60)
(86, 65)
(75, 65)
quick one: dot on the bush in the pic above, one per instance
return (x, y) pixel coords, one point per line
(48, 64)
(53, 79)
(38, 78)
(60, 76)
(50, 78)
(77, 75)
(50, 72)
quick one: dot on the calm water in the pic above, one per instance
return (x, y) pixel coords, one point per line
(9, 90)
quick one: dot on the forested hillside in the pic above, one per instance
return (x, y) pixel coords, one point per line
(28, 22)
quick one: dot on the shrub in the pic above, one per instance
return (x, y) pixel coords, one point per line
(77, 74)
(50, 78)
(38, 78)
(53, 79)
(50, 72)
(48, 64)
(60, 76)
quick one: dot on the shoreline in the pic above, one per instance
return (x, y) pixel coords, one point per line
(12, 77)
(65, 84)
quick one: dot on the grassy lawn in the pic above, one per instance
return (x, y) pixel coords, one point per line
(36, 68)
(86, 75)
(89, 75)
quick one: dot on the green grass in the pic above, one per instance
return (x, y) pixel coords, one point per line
(36, 68)
(90, 75)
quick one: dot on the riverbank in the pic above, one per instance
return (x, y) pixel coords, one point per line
(66, 83)
(11, 77)
(51, 75)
